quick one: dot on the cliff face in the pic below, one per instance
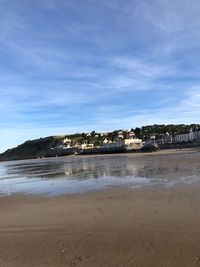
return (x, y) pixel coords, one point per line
(32, 149)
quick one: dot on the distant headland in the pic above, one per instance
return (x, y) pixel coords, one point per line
(137, 139)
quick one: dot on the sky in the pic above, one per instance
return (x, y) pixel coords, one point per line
(83, 65)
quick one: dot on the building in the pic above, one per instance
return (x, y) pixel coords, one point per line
(120, 135)
(86, 146)
(167, 138)
(187, 137)
(184, 137)
(196, 135)
(131, 134)
(133, 143)
(106, 141)
(151, 140)
(66, 143)
(117, 143)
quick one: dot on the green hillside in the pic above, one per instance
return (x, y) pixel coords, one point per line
(32, 149)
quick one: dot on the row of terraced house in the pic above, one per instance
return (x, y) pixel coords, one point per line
(191, 136)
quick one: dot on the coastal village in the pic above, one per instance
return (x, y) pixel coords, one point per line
(145, 139)
(127, 140)
(123, 138)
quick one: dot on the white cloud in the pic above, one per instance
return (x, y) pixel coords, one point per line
(191, 102)
(174, 16)
(142, 68)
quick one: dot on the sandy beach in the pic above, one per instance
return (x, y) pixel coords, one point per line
(115, 227)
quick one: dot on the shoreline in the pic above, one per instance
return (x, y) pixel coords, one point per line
(146, 227)
(158, 152)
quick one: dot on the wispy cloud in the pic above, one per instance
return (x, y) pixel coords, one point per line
(141, 68)
(96, 65)
(191, 101)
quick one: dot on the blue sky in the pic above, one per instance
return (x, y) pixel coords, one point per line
(83, 65)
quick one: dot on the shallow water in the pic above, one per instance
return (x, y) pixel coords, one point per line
(79, 174)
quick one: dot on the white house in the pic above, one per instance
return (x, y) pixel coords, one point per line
(117, 143)
(184, 137)
(106, 141)
(131, 134)
(167, 138)
(67, 142)
(133, 143)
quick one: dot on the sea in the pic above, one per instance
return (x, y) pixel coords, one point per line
(81, 174)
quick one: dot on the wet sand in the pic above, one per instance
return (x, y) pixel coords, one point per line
(177, 151)
(115, 227)
(79, 174)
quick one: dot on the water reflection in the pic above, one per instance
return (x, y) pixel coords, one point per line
(79, 174)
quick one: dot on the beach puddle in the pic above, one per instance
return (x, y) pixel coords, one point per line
(80, 174)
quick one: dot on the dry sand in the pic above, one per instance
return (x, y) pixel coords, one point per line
(115, 227)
